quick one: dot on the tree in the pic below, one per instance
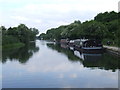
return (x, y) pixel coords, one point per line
(23, 33)
(106, 17)
(93, 29)
(20, 34)
(105, 26)
(3, 29)
(33, 32)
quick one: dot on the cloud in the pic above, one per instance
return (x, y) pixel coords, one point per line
(46, 14)
(38, 21)
(20, 18)
(73, 75)
(61, 76)
(119, 6)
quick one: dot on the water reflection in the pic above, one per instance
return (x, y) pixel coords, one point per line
(65, 50)
(54, 67)
(100, 60)
(20, 54)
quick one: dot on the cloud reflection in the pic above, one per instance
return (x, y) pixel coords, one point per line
(46, 69)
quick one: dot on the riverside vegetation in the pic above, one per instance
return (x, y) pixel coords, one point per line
(104, 27)
(17, 36)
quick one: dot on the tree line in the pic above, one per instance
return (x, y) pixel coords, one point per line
(104, 27)
(20, 34)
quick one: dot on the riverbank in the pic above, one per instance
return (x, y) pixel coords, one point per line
(112, 49)
(12, 46)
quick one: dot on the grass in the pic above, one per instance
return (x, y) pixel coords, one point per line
(113, 43)
(12, 46)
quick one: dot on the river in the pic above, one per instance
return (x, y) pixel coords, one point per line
(43, 64)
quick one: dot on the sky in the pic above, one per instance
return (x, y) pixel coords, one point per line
(46, 14)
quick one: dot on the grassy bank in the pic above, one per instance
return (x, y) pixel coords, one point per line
(12, 46)
(113, 43)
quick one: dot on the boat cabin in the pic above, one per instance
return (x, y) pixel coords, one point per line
(87, 43)
(64, 41)
(92, 43)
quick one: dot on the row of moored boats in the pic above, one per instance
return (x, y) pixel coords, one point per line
(84, 45)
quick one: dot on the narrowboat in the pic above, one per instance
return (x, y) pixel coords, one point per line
(71, 44)
(88, 45)
(64, 41)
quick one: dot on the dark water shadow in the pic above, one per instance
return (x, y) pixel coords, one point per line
(99, 60)
(20, 54)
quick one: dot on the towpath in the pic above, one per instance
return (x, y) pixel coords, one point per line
(115, 50)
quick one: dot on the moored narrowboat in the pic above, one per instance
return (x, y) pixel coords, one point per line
(88, 45)
(64, 41)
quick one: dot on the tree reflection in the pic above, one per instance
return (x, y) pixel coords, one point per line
(21, 54)
(105, 61)
(69, 53)
(100, 60)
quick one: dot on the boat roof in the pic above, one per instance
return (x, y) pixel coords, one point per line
(82, 40)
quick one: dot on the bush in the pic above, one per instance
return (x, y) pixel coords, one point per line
(9, 40)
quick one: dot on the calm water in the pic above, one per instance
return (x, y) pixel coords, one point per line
(47, 65)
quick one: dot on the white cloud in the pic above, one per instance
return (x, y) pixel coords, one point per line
(20, 18)
(73, 75)
(38, 21)
(61, 76)
(119, 6)
(52, 13)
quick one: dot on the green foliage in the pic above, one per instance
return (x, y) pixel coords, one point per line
(72, 30)
(9, 39)
(32, 33)
(105, 27)
(106, 17)
(42, 36)
(93, 29)
(12, 46)
(20, 34)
